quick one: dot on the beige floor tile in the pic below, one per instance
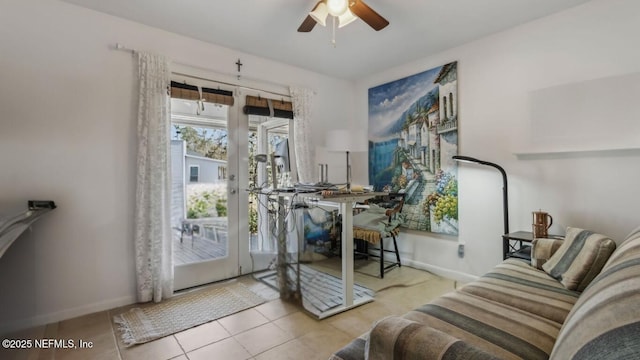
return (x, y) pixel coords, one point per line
(29, 333)
(326, 341)
(121, 309)
(88, 354)
(274, 330)
(260, 288)
(299, 324)
(351, 322)
(202, 335)
(161, 349)
(227, 349)
(378, 309)
(22, 353)
(85, 327)
(263, 338)
(415, 296)
(291, 350)
(50, 332)
(243, 321)
(276, 309)
(18, 354)
(99, 346)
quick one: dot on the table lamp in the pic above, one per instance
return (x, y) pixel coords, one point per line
(347, 141)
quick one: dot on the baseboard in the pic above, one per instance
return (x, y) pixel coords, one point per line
(21, 324)
(440, 271)
(447, 273)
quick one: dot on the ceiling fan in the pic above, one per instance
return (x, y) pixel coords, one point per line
(345, 11)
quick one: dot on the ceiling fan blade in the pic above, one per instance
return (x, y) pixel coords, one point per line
(307, 25)
(309, 22)
(368, 15)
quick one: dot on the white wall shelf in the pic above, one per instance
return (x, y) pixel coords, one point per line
(575, 153)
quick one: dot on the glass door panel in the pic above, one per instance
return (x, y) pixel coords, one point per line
(201, 168)
(271, 166)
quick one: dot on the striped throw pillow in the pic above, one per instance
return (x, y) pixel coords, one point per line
(605, 322)
(542, 249)
(579, 259)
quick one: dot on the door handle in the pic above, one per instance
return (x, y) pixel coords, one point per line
(233, 191)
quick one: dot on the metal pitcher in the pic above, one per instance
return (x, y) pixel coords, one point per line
(542, 221)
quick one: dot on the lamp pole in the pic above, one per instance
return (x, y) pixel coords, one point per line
(505, 198)
(348, 141)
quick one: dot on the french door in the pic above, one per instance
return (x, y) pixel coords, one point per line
(210, 238)
(219, 226)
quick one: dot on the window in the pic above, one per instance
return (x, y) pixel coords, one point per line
(222, 172)
(194, 171)
(451, 104)
(444, 103)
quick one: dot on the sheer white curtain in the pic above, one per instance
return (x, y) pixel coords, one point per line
(154, 263)
(302, 99)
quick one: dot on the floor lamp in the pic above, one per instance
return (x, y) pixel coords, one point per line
(505, 199)
(347, 141)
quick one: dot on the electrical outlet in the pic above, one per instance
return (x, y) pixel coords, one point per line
(460, 250)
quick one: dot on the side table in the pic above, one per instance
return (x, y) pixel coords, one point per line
(515, 244)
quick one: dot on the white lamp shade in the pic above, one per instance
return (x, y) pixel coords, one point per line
(346, 18)
(347, 140)
(337, 7)
(319, 14)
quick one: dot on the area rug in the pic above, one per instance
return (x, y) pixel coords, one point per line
(321, 292)
(181, 312)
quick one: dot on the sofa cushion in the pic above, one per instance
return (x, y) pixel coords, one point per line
(497, 329)
(580, 258)
(353, 350)
(402, 339)
(517, 284)
(605, 322)
(542, 249)
(626, 250)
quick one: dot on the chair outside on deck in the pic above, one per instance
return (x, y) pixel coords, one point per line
(382, 220)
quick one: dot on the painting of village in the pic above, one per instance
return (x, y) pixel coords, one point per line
(413, 133)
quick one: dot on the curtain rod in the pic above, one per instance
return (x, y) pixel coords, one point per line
(231, 84)
(121, 47)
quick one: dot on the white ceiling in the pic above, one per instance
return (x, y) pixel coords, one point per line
(267, 28)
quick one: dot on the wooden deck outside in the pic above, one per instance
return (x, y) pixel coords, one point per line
(199, 248)
(210, 244)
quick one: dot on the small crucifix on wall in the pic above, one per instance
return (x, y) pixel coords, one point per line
(239, 63)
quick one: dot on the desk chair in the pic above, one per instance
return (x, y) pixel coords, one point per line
(382, 220)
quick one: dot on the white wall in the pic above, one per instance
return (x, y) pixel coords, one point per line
(67, 133)
(496, 76)
(67, 123)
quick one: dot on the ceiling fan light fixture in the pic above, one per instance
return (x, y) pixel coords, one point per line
(346, 18)
(343, 12)
(337, 7)
(319, 14)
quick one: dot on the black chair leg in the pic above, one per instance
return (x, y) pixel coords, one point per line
(382, 258)
(395, 245)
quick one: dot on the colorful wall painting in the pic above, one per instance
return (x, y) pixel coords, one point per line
(413, 133)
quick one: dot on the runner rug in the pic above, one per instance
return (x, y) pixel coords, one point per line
(181, 312)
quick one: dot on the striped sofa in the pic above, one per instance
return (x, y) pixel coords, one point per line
(519, 311)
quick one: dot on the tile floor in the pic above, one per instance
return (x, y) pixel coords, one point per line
(273, 330)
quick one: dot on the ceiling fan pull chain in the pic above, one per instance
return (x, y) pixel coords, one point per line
(333, 32)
